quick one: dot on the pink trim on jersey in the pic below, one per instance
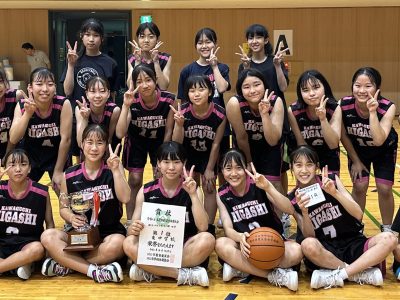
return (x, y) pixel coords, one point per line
(384, 181)
(158, 93)
(210, 110)
(178, 188)
(246, 189)
(98, 172)
(183, 111)
(163, 57)
(74, 173)
(381, 111)
(242, 104)
(385, 101)
(273, 178)
(166, 99)
(39, 191)
(348, 107)
(135, 170)
(297, 112)
(26, 192)
(57, 106)
(347, 98)
(330, 111)
(3, 187)
(218, 113)
(152, 187)
(108, 114)
(12, 100)
(224, 191)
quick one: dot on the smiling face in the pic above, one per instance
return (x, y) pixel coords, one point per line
(253, 89)
(94, 146)
(199, 95)
(204, 46)
(234, 174)
(42, 88)
(304, 170)
(257, 43)
(98, 95)
(363, 88)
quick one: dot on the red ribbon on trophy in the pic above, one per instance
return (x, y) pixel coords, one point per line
(96, 209)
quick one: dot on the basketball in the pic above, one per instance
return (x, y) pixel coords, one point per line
(266, 248)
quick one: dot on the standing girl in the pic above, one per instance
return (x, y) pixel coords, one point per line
(145, 51)
(199, 126)
(369, 138)
(92, 175)
(316, 118)
(242, 191)
(146, 121)
(176, 186)
(44, 123)
(25, 206)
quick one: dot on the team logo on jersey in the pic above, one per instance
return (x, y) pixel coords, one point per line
(76, 182)
(84, 75)
(153, 197)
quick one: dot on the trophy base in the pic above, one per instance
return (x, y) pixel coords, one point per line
(83, 241)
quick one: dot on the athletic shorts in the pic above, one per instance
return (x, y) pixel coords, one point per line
(268, 163)
(330, 159)
(7, 250)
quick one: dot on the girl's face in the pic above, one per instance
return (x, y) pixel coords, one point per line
(253, 89)
(198, 95)
(204, 46)
(234, 174)
(94, 147)
(304, 170)
(362, 87)
(18, 170)
(170, 169)
(146, 84)
(147, 40)
(43, 89)
(98, 95)
(91, 40)
(2, 88)
(312, 93)
(257, 43)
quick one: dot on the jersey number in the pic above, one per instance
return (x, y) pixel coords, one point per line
(200, 146)
(367, 143)
(3, 137)
(330, 230)
(153, 133)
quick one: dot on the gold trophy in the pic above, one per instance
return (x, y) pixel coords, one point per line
(86, 237)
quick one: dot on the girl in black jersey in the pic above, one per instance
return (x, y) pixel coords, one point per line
(176, 186)
(246, 202)
(8, 101)
(25, 206)
(92, 175)
(316, 118)
(332, 229)
(43, 122)
(100, 110)
(145, 51)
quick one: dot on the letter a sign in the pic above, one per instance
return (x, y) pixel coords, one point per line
(283, 39)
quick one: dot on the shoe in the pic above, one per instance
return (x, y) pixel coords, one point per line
(193, 276)
(108, 273)
(138, 274)
(228, 273)
(284, 277)
(326, 279)
(386, 228)
(52, 268)
(371, 276)
(24, 272)
(286, 223)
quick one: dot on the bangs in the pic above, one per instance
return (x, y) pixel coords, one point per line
(16, 156)
(41, 74)
(304, 151)
(313, 81)
(171, 151)
(95, 131)
(234, 156)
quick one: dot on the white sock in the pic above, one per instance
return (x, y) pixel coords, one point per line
(90, 270)
(343, 274)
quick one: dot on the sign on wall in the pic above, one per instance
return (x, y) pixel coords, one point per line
(283, 39)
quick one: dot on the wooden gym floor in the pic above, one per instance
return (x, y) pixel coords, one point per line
(77, 286)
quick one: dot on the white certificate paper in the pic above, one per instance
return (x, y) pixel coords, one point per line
(315, 193)
(161, 240)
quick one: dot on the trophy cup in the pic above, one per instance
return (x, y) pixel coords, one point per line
(86, 237)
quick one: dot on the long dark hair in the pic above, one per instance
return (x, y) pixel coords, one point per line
(259, 30)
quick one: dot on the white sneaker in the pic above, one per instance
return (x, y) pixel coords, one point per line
(371, 276)
(52, 268)
(193, 276)
(138, 274)
(286, 223)
(108, 273)
(326, 279)
(24, 272)
(228, 273)
(284, 277)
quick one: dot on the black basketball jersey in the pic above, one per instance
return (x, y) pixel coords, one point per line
(42, 137)
(357, 127)
(154, 193)
(312, 132)
(110, 208)
(162, 58)
(330, 219)
(252, 210)
(22, 219)
(199, 133)
(6, 117)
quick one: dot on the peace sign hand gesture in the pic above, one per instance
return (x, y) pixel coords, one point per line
(30, 104)
(137, 51)
(279, 55)
(129, 95)
(265, 104)
(213, 60)
(2, 170)
(178, 115)
(372, 103)
(327, 184)
(83, 108)
(72, 55)
(321, 110)
(244, 58)
(259, 179)
(154, 51)
(113, 161)
(189, 184)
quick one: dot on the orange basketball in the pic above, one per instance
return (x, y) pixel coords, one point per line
(266, 248)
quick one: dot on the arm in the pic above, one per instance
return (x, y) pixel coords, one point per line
(169, 126)
(121, 186)
(380, 130)
(220, 82)
(163, 75)
(295, 128)
(48, 218)
(72, 58)
(212, 160)
(199, 213)
(137, 225)
(81, 124)
(280, 77)
(345, 198)
(113, 123)
(124, 119)
(130, 69)
(303, 219)
(179, 130)
(330, 130)
(272, 123)
(19, 124)
(227, 223)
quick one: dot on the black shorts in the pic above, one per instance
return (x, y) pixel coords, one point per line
(224, 146)
(8, 249)
(269, 163)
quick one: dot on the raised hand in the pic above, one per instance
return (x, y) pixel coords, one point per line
(137, 51)
(178, 115)
(113, 161)
(189, 184)
(244, 58)
(279, 55)
(154, 51)
(327, 184)
(259, 179)
(213, 60)
(244, 246)
(84, 110)
(265, 104)
(30, 104)
(2, 170)
(302, 200)
(321, 110)
(372, 103)
(72, 55)
(129, 95)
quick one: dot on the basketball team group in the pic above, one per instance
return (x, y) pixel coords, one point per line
(248, 143)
